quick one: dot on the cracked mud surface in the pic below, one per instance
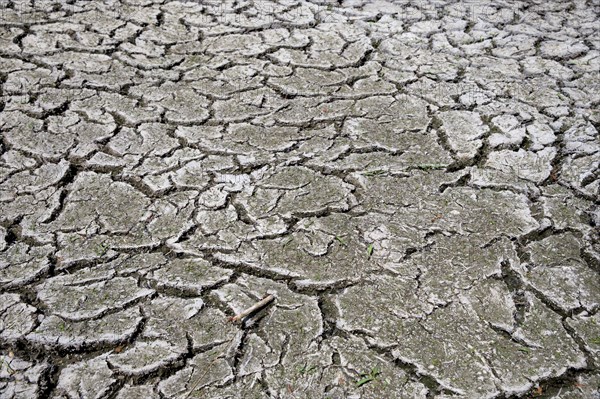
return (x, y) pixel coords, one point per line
(415, 183)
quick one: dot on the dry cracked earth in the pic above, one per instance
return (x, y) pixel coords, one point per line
(415, 183)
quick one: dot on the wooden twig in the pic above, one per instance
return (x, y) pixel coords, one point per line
(258, 305)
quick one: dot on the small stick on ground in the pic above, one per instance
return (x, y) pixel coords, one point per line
(258, 305)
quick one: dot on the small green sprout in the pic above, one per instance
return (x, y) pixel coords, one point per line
(370, 250)
(595, 341)
(102, 249)
(306, 369)
(340, 240)
(366, 378)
